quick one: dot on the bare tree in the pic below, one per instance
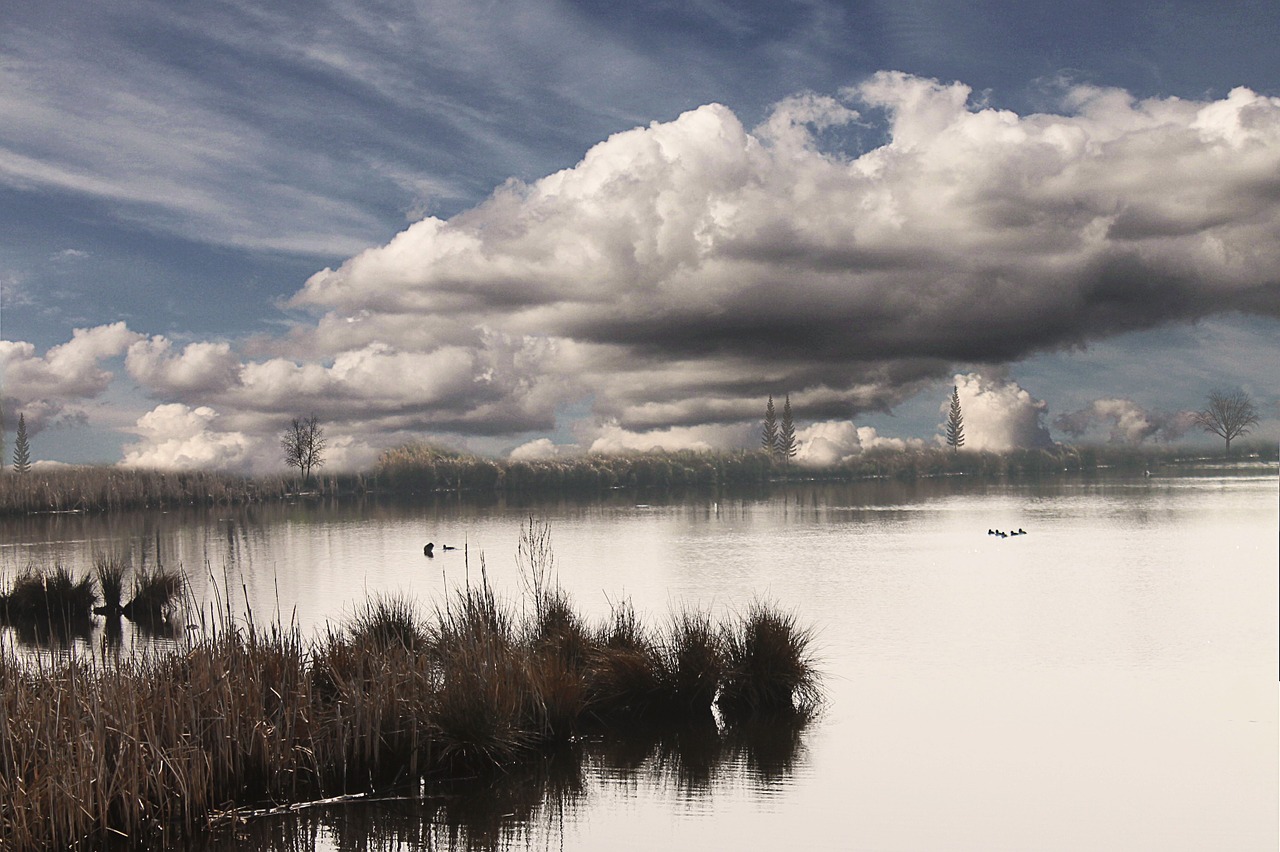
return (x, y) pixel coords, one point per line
(1229, 415)
(303, 444)
(955, 422)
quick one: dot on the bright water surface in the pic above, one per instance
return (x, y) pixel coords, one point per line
(1106, 682)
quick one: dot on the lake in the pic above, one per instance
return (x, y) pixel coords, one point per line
(1107, 681)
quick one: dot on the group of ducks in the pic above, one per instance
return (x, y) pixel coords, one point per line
(429, 548)
(1018, 531)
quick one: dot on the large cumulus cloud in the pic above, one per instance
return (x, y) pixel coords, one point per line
(692, 263)
(684, 270)
(999, 414)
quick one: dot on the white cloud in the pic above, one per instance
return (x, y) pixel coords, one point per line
(536, 450)
(177, 437)
(834, 441)
(612, 438)
(201, 367)
(1127, 422)
(45, 388)
(998, 414)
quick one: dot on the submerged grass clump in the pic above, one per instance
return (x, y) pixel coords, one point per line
(153, 747)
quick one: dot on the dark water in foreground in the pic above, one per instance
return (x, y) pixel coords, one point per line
(1106, 682)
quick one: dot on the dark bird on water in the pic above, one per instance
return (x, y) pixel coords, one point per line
(430, 547)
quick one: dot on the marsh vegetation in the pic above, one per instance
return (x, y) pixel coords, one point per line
(154, 746)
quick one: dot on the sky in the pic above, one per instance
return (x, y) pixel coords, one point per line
(541, 228)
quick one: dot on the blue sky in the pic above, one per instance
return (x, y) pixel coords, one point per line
(624, 226)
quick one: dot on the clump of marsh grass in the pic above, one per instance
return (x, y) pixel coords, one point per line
(481, 706)
(48, 597)
(386, 621)
(769, 666)
(110, 571)
(156, 595)
(691, 663)
(625, 668)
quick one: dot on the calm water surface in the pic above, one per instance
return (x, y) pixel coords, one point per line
(1106, 682)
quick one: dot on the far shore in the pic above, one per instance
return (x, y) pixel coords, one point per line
(420, 470)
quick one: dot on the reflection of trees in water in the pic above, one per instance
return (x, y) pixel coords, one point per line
(527, 806)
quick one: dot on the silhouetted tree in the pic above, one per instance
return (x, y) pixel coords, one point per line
(2, 446)
(955, 422)
(787, 433)
(21, 448)
(769, 434)
(1229, 415)
(303, 443)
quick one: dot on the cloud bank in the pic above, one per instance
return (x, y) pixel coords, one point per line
(1126, 422)
(682, 271)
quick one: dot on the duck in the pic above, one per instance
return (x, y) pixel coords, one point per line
(426, 550)
(447, 547)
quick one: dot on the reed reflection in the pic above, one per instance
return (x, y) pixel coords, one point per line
(533, 804)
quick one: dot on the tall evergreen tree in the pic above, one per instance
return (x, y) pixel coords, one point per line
(769, 434)
(955, 422)
(787, 434)
(21, 449)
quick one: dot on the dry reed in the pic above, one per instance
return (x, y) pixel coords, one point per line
(148, 749)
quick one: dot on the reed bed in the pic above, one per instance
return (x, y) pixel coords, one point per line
(148, 750)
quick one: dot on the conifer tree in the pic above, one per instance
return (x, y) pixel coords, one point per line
(21, 449)
(769, 435)
(787, 434)
(955, 422)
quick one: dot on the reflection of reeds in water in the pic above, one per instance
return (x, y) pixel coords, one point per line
(154, 743)
(529, 805)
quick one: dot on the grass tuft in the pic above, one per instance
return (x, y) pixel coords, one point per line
(156, 596)
(769, 666)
